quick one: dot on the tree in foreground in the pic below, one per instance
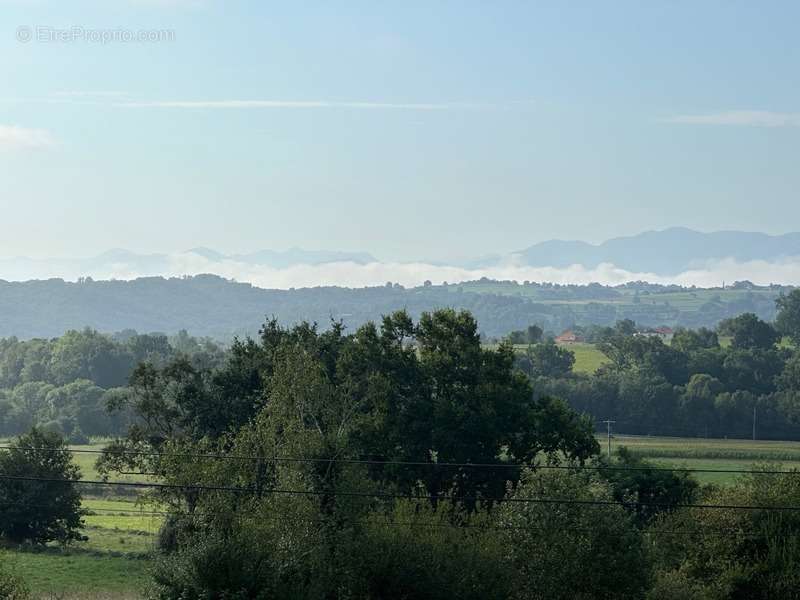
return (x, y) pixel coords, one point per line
(753, 554)
(576, 545)
(39, 502)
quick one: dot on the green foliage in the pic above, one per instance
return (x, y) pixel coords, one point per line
(11, 586)
(531, 335)
(39, 511)
(748, 332)
(233, 568)
(68, 382)
(370, 394)
(759, 556)
(547, 360)
(431, 554)
(692, 340)
(658, 491)
(571, 551)
(787, 322)
(646, 353)
(424, 393)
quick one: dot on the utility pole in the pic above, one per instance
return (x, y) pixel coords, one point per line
(754, 422)
(608, 423)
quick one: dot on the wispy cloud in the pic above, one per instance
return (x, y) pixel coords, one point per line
(302, 104)
(119, 99)
(89, 94)
(13, 137)
(751, 118)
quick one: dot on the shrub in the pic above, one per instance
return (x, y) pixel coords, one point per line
(11, 586)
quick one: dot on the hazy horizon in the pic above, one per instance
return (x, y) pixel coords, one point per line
(298, 268)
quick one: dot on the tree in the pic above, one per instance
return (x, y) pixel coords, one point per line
(649, 353)
(650, 492)
(89, 355)
(697, 402)
(789, 379)
(749, 332)
(691, 340)
(476, 406)
(547, 360)
(753, 369)
(787, 321)
(531, 335)
(39, 511)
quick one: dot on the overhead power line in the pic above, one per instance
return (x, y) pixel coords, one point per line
(381, 521)
(387, 495)
(377, 462)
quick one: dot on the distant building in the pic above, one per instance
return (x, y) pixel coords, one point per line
(568, 337)
(665, 333)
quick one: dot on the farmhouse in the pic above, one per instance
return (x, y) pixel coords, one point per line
(568, 337)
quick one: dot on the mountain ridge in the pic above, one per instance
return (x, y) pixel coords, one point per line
(663, 252)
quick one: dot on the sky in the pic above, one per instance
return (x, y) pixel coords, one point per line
(416, 131)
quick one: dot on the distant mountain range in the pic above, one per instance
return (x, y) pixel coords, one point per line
(663, 253)
(667, 252)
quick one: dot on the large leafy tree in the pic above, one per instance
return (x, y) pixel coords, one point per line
(547, 360)
(39, 502)
(788, 320)
(748, 332)
(424, 393)
(646, 353)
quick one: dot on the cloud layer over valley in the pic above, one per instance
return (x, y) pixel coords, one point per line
(350, 273)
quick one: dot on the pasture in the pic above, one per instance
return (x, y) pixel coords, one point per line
(587, 357)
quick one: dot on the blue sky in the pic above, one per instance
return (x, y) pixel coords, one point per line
(412, 130)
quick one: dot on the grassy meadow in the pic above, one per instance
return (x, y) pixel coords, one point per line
(587, 357)
(700, 453)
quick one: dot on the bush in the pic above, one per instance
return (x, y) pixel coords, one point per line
(675, 585)
(234, 568)
(573, 550)
(11, 586)
(423, 554)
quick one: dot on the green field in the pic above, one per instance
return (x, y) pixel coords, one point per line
(587, 357)
(698, 453)
(74, 574)
(113, 563)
